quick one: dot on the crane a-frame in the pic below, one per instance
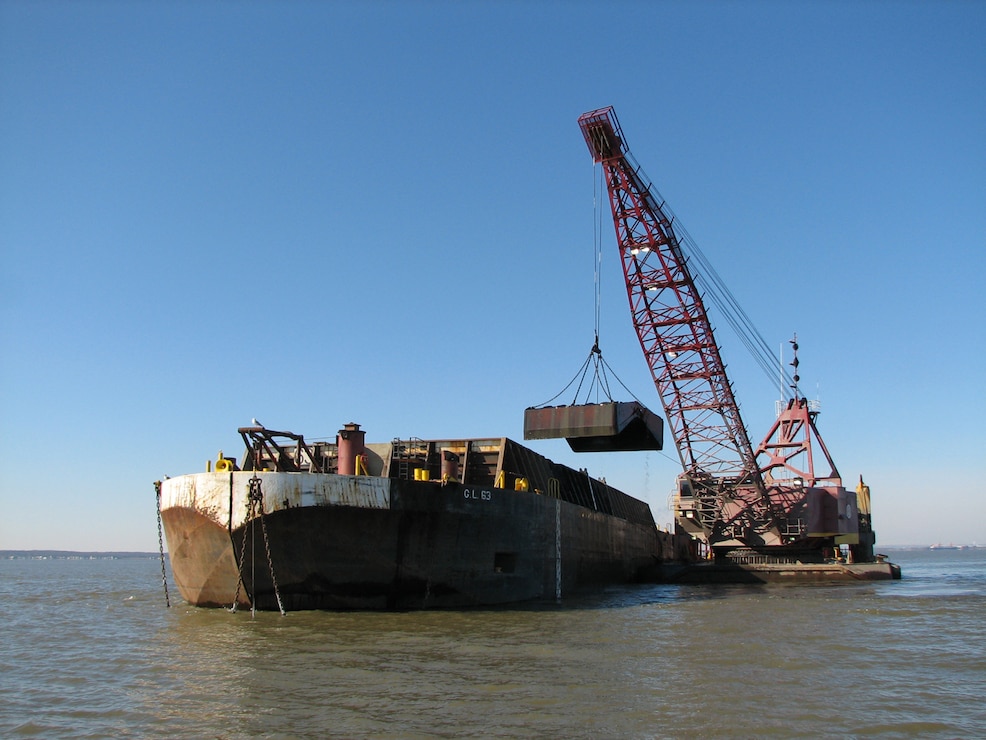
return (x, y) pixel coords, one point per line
(732, 497)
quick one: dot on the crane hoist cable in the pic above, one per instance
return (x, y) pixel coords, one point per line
(706, 277)
(599, 382)
(598, 385)
(597, 241)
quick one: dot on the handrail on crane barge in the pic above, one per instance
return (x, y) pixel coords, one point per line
(738, 500)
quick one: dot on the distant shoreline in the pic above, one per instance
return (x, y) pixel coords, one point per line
(73, 555)
(123, 555)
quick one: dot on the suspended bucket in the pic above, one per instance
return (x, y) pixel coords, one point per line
(597, 427)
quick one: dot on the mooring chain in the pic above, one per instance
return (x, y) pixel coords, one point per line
(160, 543)
(263, 526)
(239, 567)
(256, 509)
(251, 501)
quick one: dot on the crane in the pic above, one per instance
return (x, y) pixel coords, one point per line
(739, 500)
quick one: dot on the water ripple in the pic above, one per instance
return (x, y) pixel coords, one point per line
(89, 651)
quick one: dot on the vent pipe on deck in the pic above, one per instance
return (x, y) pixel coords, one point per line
(351, 444)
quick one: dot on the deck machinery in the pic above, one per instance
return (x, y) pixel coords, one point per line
(777, 502)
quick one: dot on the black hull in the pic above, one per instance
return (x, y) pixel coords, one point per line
(439, 546)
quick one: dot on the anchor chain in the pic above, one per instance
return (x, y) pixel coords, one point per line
(239, 571)
(255, 497)
(160, 543)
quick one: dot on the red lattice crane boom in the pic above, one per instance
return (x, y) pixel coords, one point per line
(730, 496)
(671, 322)
(721, 475)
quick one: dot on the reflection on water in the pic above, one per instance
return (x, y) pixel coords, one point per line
(90, 650)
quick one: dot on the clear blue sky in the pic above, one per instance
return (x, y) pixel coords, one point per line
(382, 212)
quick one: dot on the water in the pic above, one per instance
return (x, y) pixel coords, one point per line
(88, 649)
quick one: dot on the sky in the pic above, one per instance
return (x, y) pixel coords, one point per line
(383, 212)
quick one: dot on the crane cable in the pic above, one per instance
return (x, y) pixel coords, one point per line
(739, 321)
(709, 280)
(599, 384)
(597, 241)
(706, 278)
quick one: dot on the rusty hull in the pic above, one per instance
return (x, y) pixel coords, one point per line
(537, 531)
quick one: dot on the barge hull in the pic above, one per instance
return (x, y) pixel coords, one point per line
(441, 547)
(372, 542)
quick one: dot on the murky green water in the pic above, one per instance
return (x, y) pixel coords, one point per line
(88, 649)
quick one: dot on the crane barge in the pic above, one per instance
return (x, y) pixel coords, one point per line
(767, 504)
(449, 523)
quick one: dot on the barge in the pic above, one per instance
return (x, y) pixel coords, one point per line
(406, 524)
